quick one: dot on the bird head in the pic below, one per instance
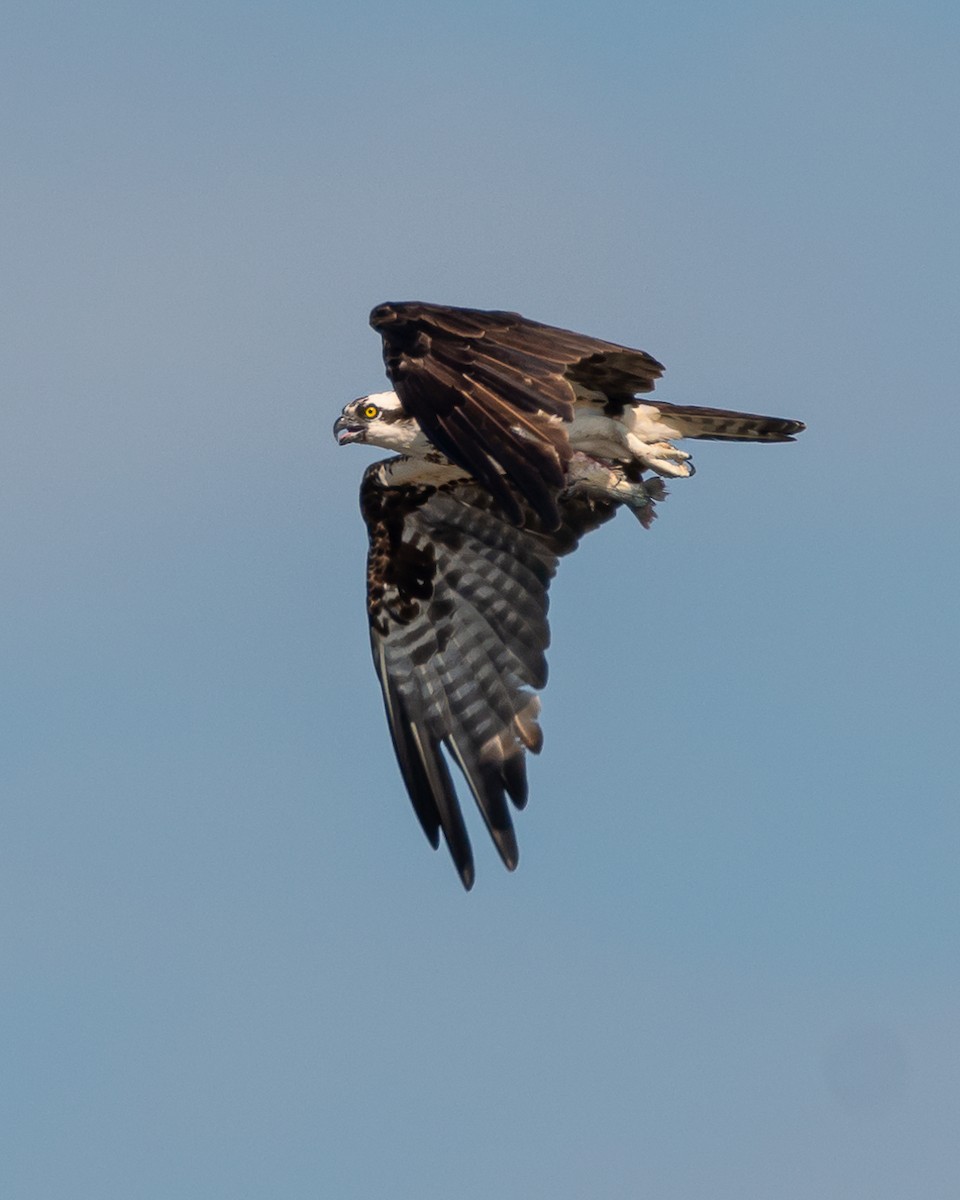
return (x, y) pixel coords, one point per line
(379, 420)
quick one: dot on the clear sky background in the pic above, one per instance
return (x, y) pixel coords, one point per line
(230, 965)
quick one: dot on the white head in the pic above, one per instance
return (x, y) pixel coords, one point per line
(380, 420)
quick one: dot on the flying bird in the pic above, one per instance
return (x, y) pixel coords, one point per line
(514, 439)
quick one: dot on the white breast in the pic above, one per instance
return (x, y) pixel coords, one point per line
(593, 433)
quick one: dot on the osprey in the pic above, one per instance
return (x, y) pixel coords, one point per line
(515, 439)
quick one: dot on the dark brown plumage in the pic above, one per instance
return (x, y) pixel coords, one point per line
(470, 377)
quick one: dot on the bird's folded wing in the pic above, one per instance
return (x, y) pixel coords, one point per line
(492, 391)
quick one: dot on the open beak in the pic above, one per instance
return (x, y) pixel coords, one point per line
(345, 431)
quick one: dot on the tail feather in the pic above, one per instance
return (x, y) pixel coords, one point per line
(721, 424)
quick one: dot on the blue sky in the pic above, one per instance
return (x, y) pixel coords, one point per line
(231, 966)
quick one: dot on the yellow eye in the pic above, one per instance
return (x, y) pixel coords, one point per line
(370, 411)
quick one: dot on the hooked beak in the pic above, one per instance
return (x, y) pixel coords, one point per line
(345, 431)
